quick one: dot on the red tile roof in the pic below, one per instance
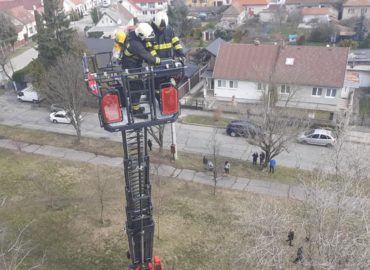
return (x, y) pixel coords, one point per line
(318, 66)
(146, 1)
(245, 62)
(315, 11)
(306, 2)
(356, 3)
(21, 14)
(27, 4)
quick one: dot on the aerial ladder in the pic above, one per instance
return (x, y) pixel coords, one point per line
(113, 88)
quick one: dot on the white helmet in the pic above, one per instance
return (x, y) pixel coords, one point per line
(161, 19)
(144, 31)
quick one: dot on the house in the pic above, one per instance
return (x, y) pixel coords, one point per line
(359, 61)
(305, 77)
(145, 10)
(208, 34)
(113, 18)
(76, 5)
(316, 14)
(356, 9)
(24, 21)
(273, 13)
(208, 57)
(206, 3)
(253, 7)
(295, 5)
(234, 14)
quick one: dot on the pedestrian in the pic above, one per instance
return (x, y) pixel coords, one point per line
(272, 165)
(210, 165)
(150, 144)
(262, 158)
(205, 161)
(299, 255)
(290, 237)
(255, 157)
(227, 168)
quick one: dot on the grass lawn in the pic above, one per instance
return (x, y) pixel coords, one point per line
(114, 149)
(194, 229)
(22, 49)
(205, 120)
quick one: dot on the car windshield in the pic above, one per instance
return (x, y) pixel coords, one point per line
(309, 132)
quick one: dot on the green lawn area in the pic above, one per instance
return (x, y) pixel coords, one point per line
(205, 120)
(114, 149)
(22, 49)
(193, 227)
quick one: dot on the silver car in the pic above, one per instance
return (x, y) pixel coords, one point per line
(317, 136)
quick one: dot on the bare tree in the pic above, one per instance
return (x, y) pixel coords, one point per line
(64, 84)
(336, 212)
(14, 253)
(215, 158)
(101, 191)
(275, 125)
(5, 52)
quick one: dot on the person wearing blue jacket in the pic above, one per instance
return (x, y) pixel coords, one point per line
(272, 165)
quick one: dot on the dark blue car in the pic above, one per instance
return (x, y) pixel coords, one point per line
(242, 128)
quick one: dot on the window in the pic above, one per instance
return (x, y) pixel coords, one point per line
(152, 12)
(324, 137)
(143, 4)
(331, 92)
(363, 11)
(221, 83)
(151, 5)
(316, 91)
(233, 84)
(285, 89)
(30, 30)
(159, 3)
(145, 12)
(351, 10)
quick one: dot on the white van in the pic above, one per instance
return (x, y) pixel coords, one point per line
(29, 94)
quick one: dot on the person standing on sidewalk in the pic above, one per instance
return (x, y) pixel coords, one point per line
(272, 165)
(150, 144)
(227, 168)
(255, 157)
(262, 158)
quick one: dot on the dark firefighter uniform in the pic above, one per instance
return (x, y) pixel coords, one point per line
(167, 45)
(134, 52)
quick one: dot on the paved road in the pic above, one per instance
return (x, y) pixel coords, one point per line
(192, 138)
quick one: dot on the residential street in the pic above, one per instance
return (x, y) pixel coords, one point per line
(191, 138)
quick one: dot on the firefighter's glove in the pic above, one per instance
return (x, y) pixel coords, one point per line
(173, 81)
(182, 59)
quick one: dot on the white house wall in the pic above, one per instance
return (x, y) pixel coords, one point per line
(256, 9)
(357, 12)
(301, 96)
(364, 78)
(320, 18)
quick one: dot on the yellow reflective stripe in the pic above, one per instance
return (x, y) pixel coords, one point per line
(164, 46)
(133, 77)
(136, 107)
(175, 39)
(178, 47)
(157, 60)
(127, 53)
(148, 44)
(153, 53)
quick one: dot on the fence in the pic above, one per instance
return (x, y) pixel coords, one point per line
(191, 82)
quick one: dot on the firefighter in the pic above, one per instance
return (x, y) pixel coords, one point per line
(118, 45)
(166, 44)
(136, 50)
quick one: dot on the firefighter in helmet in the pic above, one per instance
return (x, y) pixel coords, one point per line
(167, 45)
(136, 50)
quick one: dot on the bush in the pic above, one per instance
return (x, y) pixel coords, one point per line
(32, 72)
(301, 40)
(321, 34)
(348, 43)
(97, 34)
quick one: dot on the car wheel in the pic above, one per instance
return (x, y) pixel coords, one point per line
(328, 145)
(55, 121)
(34, 101)
(304, 142)
(232, 134)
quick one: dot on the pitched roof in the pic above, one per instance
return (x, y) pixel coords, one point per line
(146, 1)
(252, 2)
(315, 11)
(232, 10)
(302, 65)
(119, 12)
(245, 62)
(214, 46)
(77, 2)
(312, 65)
(356, 3)
(21, 14)
(306, 2)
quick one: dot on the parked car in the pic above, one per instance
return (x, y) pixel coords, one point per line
(55, 107)
(61, 117)
(29, 94)
(242, 128)
(317, 136)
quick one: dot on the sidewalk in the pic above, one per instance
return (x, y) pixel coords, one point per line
(264, 187)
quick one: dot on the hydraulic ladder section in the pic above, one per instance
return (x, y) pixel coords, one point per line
(139, 224)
